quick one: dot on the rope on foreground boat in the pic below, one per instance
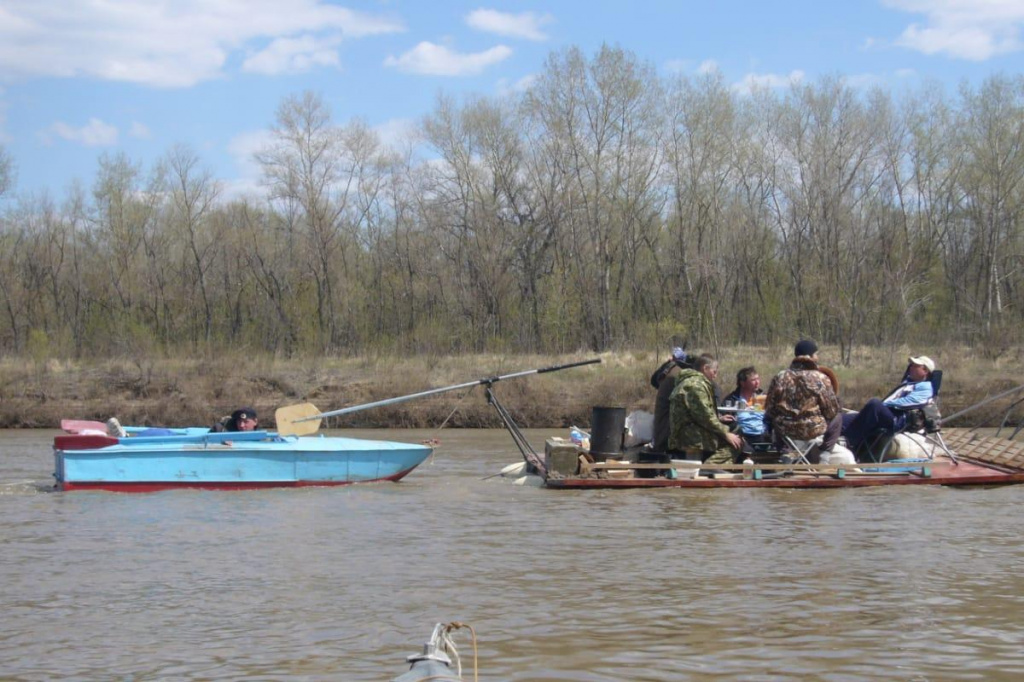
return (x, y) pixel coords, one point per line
(439, 652)
(449, 645)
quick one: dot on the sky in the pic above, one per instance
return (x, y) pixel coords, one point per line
(84, 78)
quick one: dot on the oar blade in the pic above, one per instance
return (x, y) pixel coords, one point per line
(287, 419)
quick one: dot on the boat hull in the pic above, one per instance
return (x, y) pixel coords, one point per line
(982, 461)
(941, 472)
(229, 461)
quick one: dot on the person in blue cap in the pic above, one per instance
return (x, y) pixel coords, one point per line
(664, 379)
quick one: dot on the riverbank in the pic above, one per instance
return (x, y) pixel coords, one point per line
(179, 392)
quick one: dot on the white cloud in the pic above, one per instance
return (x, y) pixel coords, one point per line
(165, 44)
(864, 81)
(964, 29)
(525, 25)
(678, 65)
(754, 81)
(139, 130)
(437, 60)
(707, 66)
(397, 132)
(294, 55)
(505, 87)
(243, 148)
(688, 66)
(95, 133)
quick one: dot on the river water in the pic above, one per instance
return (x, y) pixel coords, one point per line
(907, 583)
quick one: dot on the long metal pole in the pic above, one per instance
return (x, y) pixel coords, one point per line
(986, 401)
(435, 391)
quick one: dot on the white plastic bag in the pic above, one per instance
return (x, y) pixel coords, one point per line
(838, 456)
(911, 446)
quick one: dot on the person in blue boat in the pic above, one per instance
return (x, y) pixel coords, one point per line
(889, 413)
(243, 419)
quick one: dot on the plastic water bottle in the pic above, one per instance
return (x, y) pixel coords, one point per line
(748, 468)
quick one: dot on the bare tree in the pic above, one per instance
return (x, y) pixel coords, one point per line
(702, 168)
(193, 192)
(606, 111)
(6, 171)
(993, 182)
(304, 165)
(124, 211)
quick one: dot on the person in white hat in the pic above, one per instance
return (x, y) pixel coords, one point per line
(887, 413)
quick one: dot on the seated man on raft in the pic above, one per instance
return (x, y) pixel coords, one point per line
(802, 404)
(889, 413)
(748, 399)
(696, 429)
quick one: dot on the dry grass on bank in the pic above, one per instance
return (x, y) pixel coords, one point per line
(177, 392)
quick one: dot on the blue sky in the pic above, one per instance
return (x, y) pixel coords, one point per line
(80, 78)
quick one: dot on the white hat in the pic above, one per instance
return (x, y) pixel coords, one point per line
(924, 361)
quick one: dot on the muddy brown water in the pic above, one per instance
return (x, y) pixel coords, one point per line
(910, 583)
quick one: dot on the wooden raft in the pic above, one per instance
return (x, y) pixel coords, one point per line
(998, 451)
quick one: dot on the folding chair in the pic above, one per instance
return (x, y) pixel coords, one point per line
(802, 448)
(760, 448)
(925, 420)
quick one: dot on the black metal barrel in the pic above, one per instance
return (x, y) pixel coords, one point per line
(607, 425)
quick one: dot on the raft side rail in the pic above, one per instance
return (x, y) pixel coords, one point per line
(923, 469)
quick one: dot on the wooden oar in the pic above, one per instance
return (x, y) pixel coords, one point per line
(291, 420)
(304, 419)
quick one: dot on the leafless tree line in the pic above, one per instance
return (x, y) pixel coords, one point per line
(604, 207)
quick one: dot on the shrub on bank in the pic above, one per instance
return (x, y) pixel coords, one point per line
(196, 391)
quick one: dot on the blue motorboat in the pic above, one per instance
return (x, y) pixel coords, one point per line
(199, 458)
(98, 456)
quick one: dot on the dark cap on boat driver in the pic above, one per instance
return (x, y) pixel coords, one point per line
(805, 347)
(243, 413)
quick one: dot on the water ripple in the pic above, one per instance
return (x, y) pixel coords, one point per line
(314, 584)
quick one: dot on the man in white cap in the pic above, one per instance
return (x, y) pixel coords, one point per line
(887, 413)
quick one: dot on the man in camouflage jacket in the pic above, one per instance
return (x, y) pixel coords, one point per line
(801, 403)
(695, 426)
